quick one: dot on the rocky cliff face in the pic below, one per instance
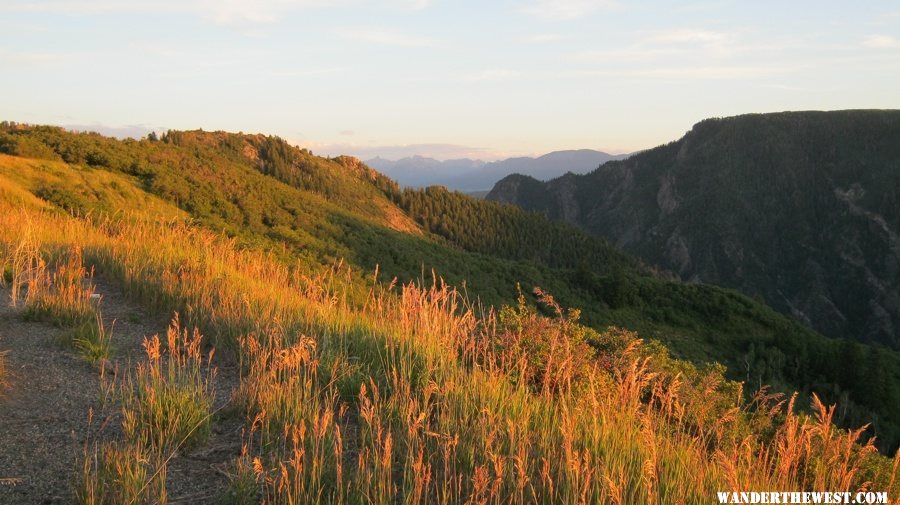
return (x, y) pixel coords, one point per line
(800, 209)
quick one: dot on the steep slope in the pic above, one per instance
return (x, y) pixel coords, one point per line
(800, 209)
(311, 212)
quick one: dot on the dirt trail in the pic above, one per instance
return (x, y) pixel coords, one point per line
(44, 414)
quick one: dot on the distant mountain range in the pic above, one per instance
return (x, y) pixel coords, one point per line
(800, 209)
(476, 175)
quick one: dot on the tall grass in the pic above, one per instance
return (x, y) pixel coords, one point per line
(60, 290)
(93, 341)
(61, 294)
(415, 396)
(166, 405)
(22, 261)
(168, 400)
(116, 473)
(57, 288)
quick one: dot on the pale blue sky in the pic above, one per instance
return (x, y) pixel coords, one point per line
(441, 78)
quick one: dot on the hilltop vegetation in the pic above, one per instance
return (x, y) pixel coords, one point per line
(800, 209)
(433, 394)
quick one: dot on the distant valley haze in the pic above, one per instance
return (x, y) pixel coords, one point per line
(477, 175)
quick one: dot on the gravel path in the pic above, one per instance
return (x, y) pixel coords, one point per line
(44, 413)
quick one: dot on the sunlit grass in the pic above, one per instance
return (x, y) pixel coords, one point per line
(61, 295)
(116, 473)
(166, 405)
(58, 289)
(167, 401)
(22, 178)
(93, 341)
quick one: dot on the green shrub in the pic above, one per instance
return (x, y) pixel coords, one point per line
(549, 354)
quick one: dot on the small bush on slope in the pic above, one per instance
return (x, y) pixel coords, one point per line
(548, 354)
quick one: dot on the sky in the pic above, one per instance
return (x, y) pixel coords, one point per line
(440, 78)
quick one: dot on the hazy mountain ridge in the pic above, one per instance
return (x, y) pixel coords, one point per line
(475, 175)
(800, 209)
(421, 171)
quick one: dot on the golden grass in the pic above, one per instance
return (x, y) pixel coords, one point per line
(415, 397)
(62, 296)
(166, 407)
(57, 288)
(168, 400)
(116, 473)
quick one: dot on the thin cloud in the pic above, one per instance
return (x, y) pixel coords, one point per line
(700, 6)
(306, 72)
(564, 9)
(239, 13)
(90, 7)
(33, 58)
(710, 72)
(711, 42)
(385, 36)
(666, 44)
(881, 42)
(686, 35)
(494, 75)
(543, 38)
(785, 87)
(626, 54)
(414, 5)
